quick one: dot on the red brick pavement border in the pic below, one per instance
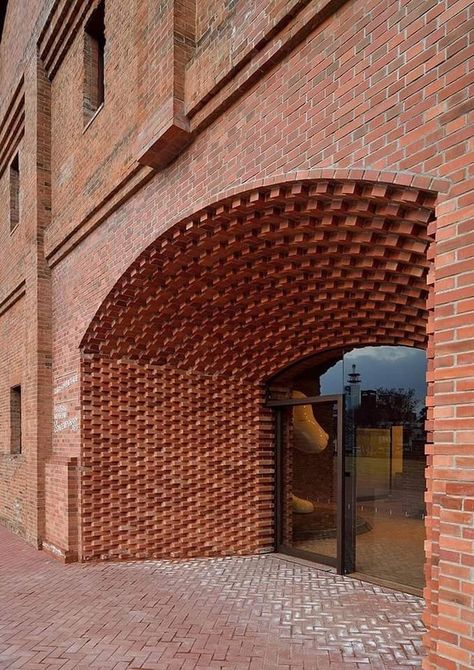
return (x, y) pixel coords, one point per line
(255, 613)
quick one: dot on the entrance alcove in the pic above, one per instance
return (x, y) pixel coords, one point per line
(351, 461)
(178, 441)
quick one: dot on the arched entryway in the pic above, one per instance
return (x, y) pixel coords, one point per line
(178, 444)
(350, 455)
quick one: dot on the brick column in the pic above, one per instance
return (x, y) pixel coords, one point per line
(37, 396)
(451, 538)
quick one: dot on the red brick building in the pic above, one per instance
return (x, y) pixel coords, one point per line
(202, 202)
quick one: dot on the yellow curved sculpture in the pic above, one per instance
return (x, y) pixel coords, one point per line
(301, 506)
(308, 435)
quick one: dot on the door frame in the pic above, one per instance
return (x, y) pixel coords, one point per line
(279, 406)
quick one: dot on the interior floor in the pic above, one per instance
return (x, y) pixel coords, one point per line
(392, 549)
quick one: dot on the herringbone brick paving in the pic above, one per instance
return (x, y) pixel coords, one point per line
(252, 613)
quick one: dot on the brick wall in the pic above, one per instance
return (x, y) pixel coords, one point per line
(61, 527)
(19, 25)
(451, 536)
(13, 474)
(174, 464)
(12, 242)
(360, 89)
(87, 162)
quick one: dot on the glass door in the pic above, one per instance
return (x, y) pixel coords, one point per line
(351, 463)
(384, 448)
(310, 478)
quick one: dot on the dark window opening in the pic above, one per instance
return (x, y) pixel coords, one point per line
(94, 48)
(3, 13)
(14, 193)
(15, 420)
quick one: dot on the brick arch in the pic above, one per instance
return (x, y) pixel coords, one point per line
(282, 269)
(177, 353)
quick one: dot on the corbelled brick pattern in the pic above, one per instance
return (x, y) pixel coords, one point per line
(175, 464)
(283, 271)
(187, 301)
(258, 613)
(179, 464)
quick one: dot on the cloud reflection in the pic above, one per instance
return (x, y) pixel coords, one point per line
(385, 366)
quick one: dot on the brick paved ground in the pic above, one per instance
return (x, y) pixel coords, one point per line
(236, 613)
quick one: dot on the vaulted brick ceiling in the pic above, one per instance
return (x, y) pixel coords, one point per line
(256, 282)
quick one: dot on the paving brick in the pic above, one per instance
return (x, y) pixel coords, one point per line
(259, 613)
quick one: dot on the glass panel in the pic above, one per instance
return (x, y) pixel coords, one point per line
(384, 423)
(331, 381)
(310, 478)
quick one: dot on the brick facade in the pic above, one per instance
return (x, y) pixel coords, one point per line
(186, 490)
(258, 173)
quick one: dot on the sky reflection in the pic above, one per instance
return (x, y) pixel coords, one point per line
(385, 366)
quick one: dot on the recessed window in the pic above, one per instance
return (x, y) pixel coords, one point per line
(15, 420)
(94, 48)
(14, 193)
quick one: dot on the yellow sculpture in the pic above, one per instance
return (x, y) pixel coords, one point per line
(301, 506)
(309, 437)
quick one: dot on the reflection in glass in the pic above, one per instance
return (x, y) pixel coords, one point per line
(384, 392)
(385, 414)
(310, 473)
